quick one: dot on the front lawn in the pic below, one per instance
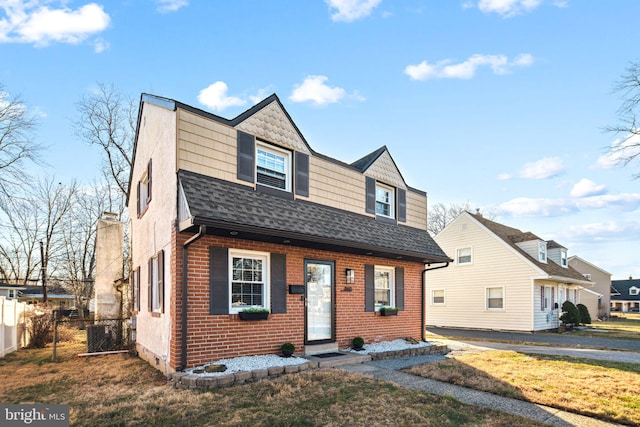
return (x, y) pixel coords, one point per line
(607, 390)
(124, 390)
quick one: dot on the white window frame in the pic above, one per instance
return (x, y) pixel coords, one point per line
(542, 251)
(144, 193)
(564, 261)
(155, 295)
(486, 298)
(392, 285)
(12, 293)
(459, 255)
(546, 298)
(266, 291)
(433, 297)
(634, 291)
(390, 193)
(286, 156)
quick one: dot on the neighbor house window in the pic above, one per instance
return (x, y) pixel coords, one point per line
(634, 291)
(144, 190)
(463, 256)
(437, 297)
(248, 280)
(155, 293)
(273, 167)
(385, 203)
(384, 287)
(587, 276)
(542, 251)
(495, 298)
(12, 293)
(563, 258)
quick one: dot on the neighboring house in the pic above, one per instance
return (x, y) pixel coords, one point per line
(597, 299)
(57, 297)
(10, 291)
(233, 214)
(625, 295)
(501, 278)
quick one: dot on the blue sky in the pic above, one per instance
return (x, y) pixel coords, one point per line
(499, 103)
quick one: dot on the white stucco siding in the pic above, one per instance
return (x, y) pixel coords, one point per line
(494, 264)
(152, 231)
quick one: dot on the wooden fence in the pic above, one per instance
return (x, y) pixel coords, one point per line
(13, 325)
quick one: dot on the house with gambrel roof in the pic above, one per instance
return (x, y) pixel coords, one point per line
(502, 278)
(232, 215)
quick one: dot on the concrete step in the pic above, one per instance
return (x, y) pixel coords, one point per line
(310, 350)
(340, 359)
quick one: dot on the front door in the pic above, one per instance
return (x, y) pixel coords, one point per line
(319, 301)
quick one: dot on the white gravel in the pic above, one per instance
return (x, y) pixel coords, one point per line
(395, 345)
(251, 363)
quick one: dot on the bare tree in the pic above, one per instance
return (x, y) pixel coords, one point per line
(440, 216)
(16, 139)
(628, 148)
(107, 118)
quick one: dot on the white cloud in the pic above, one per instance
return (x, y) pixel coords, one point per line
(619, 151)
(261, 94)
(523, 206)
(546, 168)
(585, 187)
(602, 231)
(314, 89)
(351, 10)
(508, 8)
(100, 45)
(499, 64)
(167, 6)
(34, 22)
(215, 97)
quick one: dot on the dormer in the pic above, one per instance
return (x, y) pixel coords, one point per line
(532, 245)
(634, 291)
(557, 253)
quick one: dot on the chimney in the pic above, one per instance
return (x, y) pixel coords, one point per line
(478, 212)
(630, 277)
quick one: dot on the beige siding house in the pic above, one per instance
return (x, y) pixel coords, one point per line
(501, 278)
(598, 298)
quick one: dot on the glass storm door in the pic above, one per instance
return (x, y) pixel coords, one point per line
(319, 301)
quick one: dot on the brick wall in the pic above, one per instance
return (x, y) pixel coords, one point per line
(212, 337)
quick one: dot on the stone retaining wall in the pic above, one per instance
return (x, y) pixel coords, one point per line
(187, 381)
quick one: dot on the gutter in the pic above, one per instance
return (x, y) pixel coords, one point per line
(424, 296)
(183, 313)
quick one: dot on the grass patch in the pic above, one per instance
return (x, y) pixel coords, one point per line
(622, 326)
(607, 390)
(124, 390)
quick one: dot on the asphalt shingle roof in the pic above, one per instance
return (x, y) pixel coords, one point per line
(512, 236)
(220, 203)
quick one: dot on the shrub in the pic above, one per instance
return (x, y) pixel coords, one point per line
(287, 347)
(40, 328)
(585, 317)
(357, 342)
(571, 314)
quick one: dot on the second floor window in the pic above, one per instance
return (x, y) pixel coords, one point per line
(273, 167)
(144, 190)
(385, 201)
(542, 251)
(464, 256)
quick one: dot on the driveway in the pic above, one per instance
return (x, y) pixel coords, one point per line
(554, 339)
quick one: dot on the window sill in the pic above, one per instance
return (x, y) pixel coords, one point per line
(155, 314)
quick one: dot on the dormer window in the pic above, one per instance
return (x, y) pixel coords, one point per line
(542, 251)
(563, 258)
(385, 203)
(273, 167)
(634, 291)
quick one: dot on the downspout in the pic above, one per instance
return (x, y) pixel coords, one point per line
(185, 276)
(424, 296)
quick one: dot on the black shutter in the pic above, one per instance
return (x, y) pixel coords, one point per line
(278, 283)
(371, 195)
(161, 281)
(302, 174)
(402, 205)
(400, 288)
(369, 288)
(218, 280)
(246, 156)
